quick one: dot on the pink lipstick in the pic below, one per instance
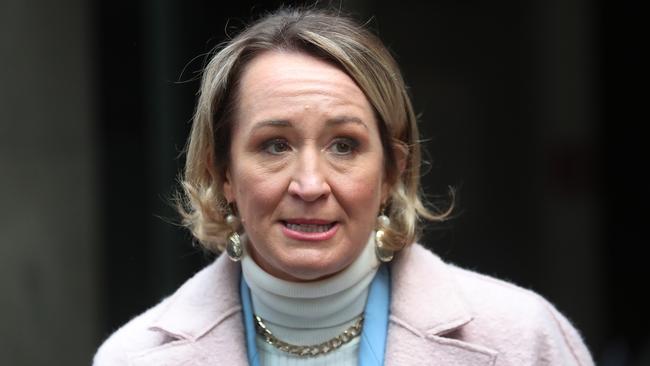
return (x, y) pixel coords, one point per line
(309, 229)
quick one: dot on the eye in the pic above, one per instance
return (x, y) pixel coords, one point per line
(343, 146)
(276, 146)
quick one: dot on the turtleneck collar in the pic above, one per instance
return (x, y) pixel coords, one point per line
(311, 312)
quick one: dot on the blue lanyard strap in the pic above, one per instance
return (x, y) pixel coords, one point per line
(372, 346)
(375, 323)
(247, 306)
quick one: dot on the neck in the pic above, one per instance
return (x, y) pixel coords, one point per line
(311, 312)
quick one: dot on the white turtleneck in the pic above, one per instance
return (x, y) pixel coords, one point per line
(308, 313)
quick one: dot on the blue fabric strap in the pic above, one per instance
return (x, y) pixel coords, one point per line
(375, 323)
(247, 306)
(372, 346)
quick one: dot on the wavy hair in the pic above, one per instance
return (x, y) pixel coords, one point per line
(344, 43)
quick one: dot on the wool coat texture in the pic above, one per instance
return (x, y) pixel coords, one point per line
(439, 315)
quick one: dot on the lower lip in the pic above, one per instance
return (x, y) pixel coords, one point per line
(299, 235)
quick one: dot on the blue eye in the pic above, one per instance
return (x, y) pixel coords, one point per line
(344, 146)
(276, 146)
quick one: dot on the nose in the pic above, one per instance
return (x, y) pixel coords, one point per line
(309, 180)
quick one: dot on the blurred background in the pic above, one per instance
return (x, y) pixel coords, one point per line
(532, 109)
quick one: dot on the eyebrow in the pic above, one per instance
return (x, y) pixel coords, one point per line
(339, 120)
(335, 121)
(271, 123)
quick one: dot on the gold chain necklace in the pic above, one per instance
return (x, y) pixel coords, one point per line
(313, 350)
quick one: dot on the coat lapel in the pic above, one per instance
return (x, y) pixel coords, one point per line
(406, 348)
(203, 321)
(218, 347)
(425, 306)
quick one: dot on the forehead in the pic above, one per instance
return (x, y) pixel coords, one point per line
(284, 81)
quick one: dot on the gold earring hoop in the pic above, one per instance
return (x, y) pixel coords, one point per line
(234, 246)
(383, 254)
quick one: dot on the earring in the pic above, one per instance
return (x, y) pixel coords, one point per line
(234, 247)
(383, 254)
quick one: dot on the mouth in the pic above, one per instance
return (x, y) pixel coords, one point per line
(310, 230)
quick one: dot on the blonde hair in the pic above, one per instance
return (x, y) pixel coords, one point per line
(348, 46)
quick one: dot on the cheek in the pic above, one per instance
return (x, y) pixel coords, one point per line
(257, 194)
(361, 195)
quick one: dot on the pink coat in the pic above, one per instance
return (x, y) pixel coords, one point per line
(440, 315)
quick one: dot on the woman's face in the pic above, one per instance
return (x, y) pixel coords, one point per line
(306, 169)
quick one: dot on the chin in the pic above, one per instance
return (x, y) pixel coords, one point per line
(302, 261)
(309, 270)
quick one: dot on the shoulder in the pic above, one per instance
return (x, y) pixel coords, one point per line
(514, 321)
(133, 336)
(513, 318)
(193, 310)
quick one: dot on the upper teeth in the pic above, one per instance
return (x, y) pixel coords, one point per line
(309, 228)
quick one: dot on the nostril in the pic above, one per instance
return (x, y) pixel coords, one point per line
(309, 189)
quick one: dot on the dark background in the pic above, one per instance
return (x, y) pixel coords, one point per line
(532, 109)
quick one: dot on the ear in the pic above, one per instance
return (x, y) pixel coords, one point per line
(401, 153)
(228, 188)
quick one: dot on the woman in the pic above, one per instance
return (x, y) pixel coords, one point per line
(303, 165)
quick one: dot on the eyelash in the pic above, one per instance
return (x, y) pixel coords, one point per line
(351, 143)
(270, 145)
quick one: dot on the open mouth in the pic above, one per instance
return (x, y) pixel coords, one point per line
(309, 228)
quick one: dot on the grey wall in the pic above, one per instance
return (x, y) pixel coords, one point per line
(92, 119)
(508, 98)
(49, 216)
